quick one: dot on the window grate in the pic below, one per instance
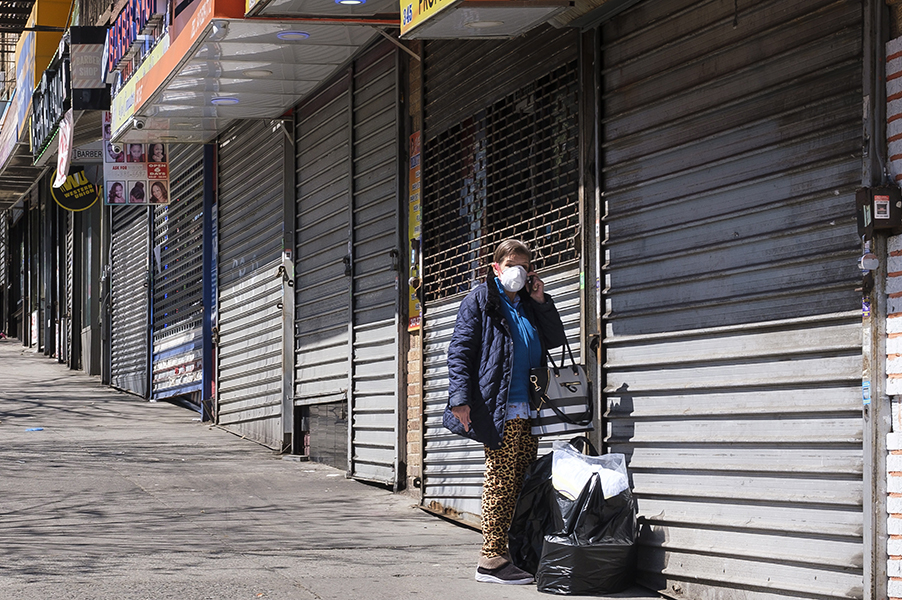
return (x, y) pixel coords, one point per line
(510, 170)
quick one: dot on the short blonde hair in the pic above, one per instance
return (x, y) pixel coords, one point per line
(510, 247)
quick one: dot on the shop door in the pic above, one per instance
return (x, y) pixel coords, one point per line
(731, 153)
(322, 274)
(4, 267)
(178, 278)
(70, 351)
(249, 382)
(347, 321)
(129, 298)
(505, 164)
(375, 369)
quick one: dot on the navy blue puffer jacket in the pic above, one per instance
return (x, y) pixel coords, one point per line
(480, 358)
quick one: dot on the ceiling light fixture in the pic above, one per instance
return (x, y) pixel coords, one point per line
(252, 73)
(483, 24)
(350, 2)
(224, 100)
(292, 36)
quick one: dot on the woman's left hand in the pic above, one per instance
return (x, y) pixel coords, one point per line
(536, 287)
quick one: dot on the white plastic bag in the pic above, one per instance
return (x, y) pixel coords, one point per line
(571, 470)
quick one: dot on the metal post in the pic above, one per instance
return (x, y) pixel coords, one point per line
(209, 291)
(877, 406)
(350, 393)
(289, 247)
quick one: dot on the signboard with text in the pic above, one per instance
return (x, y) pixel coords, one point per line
(134, 173)
(416, 12)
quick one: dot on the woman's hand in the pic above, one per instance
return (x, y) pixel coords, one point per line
(536, 287)
(463, 415)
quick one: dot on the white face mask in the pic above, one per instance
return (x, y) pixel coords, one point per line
(513, 279)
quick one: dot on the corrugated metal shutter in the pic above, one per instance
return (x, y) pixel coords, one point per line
(464, 77)
(453, 466)
(178, 278)
(507, 168)
(733, 331)
(4, 266)
(249, 390)
(322, 269)
(375, 369)
(70, 295)
(130, 298)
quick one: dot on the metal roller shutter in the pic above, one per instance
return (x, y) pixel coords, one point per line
(4, 267)
(178, 278)
(374, 404)
(249, 390)
(733, 329)
(69, 351)
(510, 169)
(323, 262)
(130, 298)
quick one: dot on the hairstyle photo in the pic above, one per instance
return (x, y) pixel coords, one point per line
(156, 153)
(158, 193)
(137, 194)
(115, 192)
(135, 153)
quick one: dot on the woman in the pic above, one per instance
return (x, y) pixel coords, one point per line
(502, 330)
(135, 153)
(158, 193)
(116, 195)
(157, 153)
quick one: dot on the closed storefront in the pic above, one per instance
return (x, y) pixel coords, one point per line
(4, 267)
(70, 315)
(251, 281)
(731, 141)
(500, 160)
(347, 317)
(178, 278)
(130, 299)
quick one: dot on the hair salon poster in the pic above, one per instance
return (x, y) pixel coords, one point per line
(134, 173)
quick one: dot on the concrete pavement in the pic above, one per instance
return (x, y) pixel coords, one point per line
(110, 496)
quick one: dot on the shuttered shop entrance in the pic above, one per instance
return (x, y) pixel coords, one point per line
(504, 165)
(129, 292)
(733, 328)
(249, 390)
(347, 322)
(178, 278)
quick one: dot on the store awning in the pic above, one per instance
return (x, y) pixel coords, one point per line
(224, 66)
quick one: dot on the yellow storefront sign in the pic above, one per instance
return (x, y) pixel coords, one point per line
(416, 12)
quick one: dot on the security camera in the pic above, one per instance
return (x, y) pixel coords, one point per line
(138, 123)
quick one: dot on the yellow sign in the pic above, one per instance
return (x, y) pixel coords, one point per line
(415, 235)
(416, 12)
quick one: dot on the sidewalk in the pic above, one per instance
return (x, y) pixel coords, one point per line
(119, 498)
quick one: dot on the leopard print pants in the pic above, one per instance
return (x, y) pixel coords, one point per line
(504, 470)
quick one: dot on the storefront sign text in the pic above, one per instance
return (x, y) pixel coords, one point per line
(415, 12)
(49, 102)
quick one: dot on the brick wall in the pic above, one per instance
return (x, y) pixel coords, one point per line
(414, 412)
(415, 352)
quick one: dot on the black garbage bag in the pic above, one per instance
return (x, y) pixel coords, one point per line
(535, 516)
(583, 546)
(595, 552)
